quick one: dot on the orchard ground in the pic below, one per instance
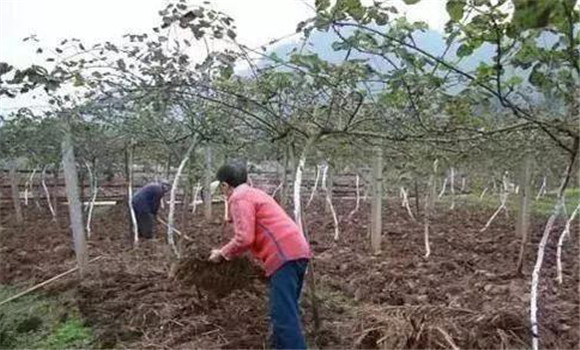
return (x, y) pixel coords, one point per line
(464, 295)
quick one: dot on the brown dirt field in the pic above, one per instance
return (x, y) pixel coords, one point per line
(464, 295)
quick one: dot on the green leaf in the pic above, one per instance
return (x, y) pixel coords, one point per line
(381, 19)
(321, 5)
(355, 9)
(532, 13)
(411, 2)
(537, 78)
(464, 50)
(455, 9)
(121, 64)
(227, 72)
(340, 45)
(5, 68)
(78, 80)
(515, 80)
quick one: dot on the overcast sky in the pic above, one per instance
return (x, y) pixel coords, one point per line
(92, 21)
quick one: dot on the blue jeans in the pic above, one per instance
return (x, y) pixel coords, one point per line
(285, 289)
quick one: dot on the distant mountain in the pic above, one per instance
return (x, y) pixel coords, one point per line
(431, 41)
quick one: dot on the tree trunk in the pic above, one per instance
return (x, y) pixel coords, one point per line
(377, 203)
(429, 208)
(168, 167)
(129, 190)
(94, 189)
(537, 269)
(207, 183)
(311, 281)
(72, 193)
(189, 190)
(405, 203)
(283, 197)
(55, 188)
(483, 193)
(47, 194)
(1, 212)
(417, 198)
(82, 189)
(195, 195)
(185, 201)
(298, 181)
(357, 203)
(292, 166)
(36, 194)
(328, 193)
(171, 215)
(443, 187)
(503, 200)
(524, 216)
(542, 189)
(129, 166)
(28, 187)
(15, 192)
(565, 233)
(328, 189)
(452, 188)
(315, 186)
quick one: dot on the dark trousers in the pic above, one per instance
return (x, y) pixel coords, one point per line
(145, 224)
(285, 289)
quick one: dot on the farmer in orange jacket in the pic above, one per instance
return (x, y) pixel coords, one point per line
(264, 228)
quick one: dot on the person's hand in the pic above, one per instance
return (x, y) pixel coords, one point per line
(215, 256)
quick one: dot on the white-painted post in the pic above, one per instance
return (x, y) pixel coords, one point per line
(377, 202)
(14, 181)
(524, 214)
(357, 205)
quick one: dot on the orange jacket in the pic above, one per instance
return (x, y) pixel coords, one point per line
(262, 226)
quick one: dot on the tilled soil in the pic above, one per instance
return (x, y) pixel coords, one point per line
(464, 295)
